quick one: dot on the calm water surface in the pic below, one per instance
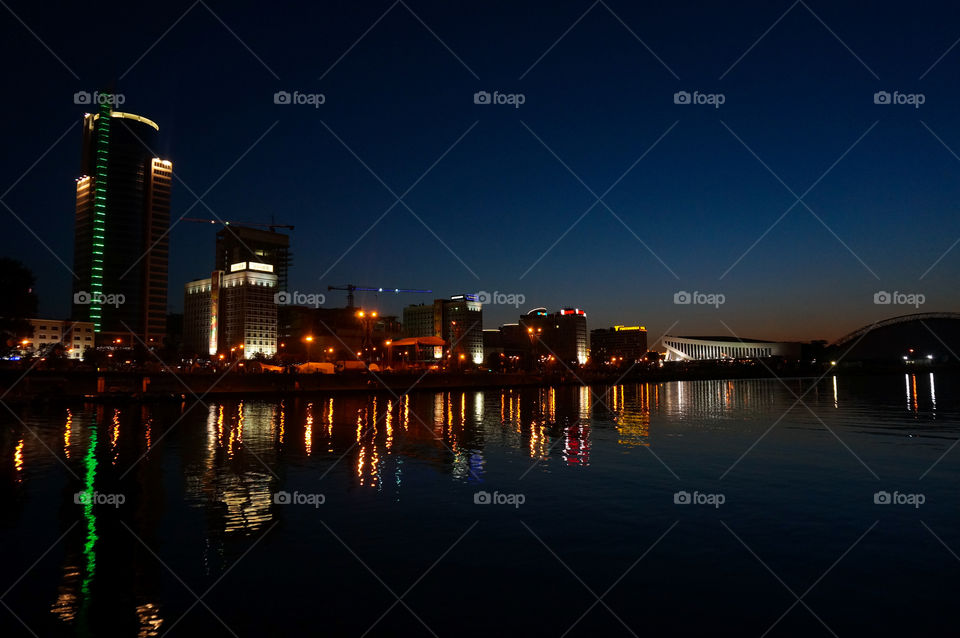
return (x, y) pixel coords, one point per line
(528, 512)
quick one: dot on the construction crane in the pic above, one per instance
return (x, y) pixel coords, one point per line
(227, 223)
(351, 288)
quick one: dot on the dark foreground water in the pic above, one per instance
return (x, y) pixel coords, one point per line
(685, 508)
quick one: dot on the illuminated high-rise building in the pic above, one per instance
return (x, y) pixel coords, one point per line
(237, 243)
(121, 247)
(232, 313)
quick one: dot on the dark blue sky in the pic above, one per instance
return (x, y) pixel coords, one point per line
(499, 199)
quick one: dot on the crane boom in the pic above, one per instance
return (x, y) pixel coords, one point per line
(227, 223)
(351, 288)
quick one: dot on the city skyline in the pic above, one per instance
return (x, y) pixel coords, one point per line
(631, 301)
(798, 198)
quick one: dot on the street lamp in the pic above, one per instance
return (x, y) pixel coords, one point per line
(533, 340)
(366, 325)
(309, 340)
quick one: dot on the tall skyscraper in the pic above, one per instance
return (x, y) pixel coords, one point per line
(121, 247)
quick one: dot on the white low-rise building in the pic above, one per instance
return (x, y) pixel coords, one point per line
(76, 337)
(712, 348)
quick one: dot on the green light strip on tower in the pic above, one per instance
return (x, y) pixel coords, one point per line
(99, 212)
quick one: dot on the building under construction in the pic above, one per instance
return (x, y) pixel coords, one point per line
(236, 244)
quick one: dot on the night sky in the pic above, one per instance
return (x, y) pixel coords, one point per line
(493, 187)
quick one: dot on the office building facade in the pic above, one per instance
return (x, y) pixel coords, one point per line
(561, 334)
(196, 317)
(237, 244)
(458, 321)
(232, 313)
(618, 343)
(122, 216)
(74, 336)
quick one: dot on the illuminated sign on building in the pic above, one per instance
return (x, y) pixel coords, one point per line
(251, 265)
(627, 328)
(214, 304)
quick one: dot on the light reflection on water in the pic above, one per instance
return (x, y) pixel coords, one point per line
(231, 457)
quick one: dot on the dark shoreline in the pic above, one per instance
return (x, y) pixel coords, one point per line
(70, 386)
